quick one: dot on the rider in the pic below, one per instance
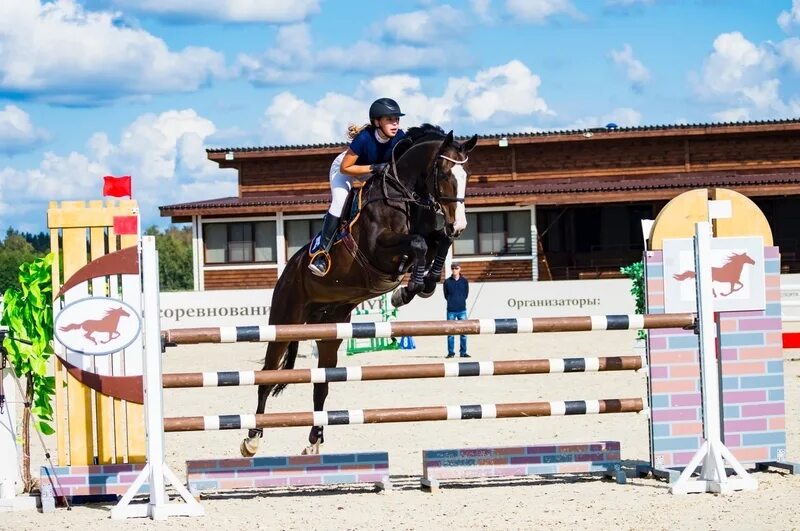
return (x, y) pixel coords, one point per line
(369, 153)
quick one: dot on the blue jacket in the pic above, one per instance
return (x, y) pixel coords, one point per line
(456, 292)
(369, 150)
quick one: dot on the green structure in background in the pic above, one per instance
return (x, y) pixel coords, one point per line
(381, 309)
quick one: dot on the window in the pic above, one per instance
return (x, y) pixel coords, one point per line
(240, 242)
(495, 233)
(299, 232)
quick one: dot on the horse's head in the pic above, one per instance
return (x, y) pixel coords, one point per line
(449, 183)
(118, 312)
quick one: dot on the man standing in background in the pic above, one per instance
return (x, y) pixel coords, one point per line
(456, 290)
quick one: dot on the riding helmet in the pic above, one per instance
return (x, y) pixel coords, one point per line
(384, 107)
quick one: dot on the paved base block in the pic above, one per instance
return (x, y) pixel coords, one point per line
(540, 460)
(287, 471)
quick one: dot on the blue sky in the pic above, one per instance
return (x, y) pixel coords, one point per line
(143, 87)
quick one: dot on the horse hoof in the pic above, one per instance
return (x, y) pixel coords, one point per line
(311, 449)
(249, 447)
(426, 294)
(397, 298)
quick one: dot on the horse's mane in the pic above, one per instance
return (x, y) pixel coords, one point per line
(421, 133)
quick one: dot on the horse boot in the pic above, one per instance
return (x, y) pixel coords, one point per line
(315, 438)
(320, 261)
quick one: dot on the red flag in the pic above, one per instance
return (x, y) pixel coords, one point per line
(126, 224)
(117, 186)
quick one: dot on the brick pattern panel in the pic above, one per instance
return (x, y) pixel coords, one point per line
(752, 378)
(90, 480)
(285, 471)
(539, 460)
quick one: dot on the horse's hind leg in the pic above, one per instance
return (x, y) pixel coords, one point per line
(272, 361)
(328, 357)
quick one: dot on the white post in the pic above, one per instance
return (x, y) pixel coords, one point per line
(10, 481)
(712, 453)
(156, 470)
(9, 464)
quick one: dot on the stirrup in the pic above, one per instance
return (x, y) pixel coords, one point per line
(313, 268)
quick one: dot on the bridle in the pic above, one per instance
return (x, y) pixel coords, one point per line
(436, 172)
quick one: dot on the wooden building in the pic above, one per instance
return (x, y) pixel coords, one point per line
(541, 206)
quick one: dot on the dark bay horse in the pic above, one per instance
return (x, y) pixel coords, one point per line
(407, 220)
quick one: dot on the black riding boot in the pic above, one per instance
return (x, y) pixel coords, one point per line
(320, 264)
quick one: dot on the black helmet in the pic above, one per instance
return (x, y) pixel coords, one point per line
(384, 107)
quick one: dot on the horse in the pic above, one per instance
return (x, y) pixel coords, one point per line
(106, 325)
(729, 273)
(407, 219)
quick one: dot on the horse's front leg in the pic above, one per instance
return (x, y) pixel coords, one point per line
(435, 272)
(419, 250)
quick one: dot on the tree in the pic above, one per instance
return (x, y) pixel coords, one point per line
(174, 257)
(15, 250)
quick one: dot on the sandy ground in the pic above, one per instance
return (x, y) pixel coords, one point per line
(529, 503)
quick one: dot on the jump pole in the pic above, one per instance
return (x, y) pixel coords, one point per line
(513, 325)
(402, 372)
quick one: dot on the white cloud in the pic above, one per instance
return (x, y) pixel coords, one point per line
(60, 52)
(17, 132)
(635, 71)
(275, 11)
(539, 11)
(788, 20)
(742, 76)
(483, 9)
(295, 58)
(164, 153)
(498, 96)
(422, 27)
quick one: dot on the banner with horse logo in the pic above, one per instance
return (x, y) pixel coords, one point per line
(97, 326)
(737, 274)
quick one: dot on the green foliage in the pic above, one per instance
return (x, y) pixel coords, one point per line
(174, 257)
(28, 314)
(15, 250)
(635, 272)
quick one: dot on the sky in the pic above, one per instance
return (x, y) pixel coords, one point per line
(143, 87)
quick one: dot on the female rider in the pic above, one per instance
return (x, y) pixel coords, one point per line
(369, 152)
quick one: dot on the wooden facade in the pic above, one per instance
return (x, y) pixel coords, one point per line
(586, 191)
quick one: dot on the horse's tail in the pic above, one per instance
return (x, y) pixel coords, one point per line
(287, 362)
(683, 276)
(73, 326)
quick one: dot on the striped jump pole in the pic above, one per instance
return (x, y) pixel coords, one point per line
(401, 372)
(513, 325)
(409, 414)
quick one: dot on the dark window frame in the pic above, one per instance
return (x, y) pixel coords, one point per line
(228, 228)
(504, 252)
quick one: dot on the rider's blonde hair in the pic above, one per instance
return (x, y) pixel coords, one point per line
(353, 130)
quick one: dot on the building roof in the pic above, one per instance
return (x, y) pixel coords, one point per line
(637, 188)
(566, 134)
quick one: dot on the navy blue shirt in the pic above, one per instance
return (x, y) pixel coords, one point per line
(456, 292)
(369, 150)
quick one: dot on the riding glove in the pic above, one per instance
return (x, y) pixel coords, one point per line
(378, 168)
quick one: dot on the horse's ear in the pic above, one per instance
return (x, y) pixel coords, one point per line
(469, 145)
(448, 139)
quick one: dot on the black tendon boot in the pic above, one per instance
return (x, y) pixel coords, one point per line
(320, 263)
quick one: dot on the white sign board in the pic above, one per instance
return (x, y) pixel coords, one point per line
(737, 274)
(97, 326)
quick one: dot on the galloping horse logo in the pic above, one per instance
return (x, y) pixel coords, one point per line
(730, 273)
(106, 325)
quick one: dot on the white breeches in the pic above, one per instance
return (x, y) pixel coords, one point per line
(340, 187)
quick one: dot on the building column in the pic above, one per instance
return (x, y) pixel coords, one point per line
(197, 253)
(280, 243)
(534, 245)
